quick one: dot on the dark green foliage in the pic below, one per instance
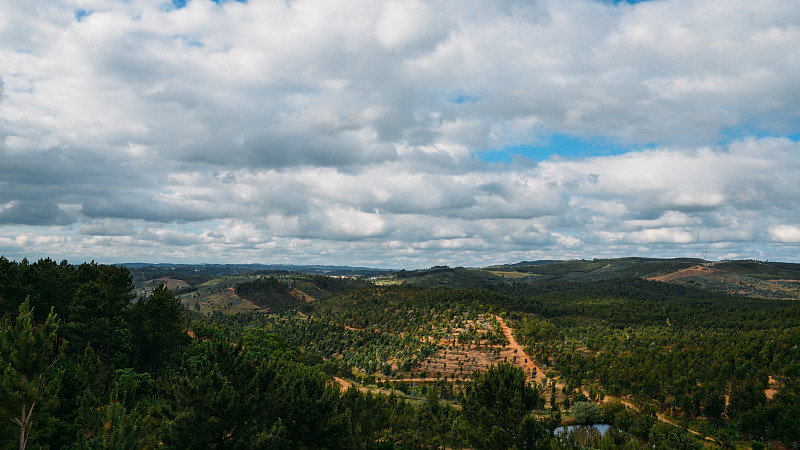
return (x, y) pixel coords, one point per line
(333, 285)
(224, 398)
(157, 324)
(268, 293)
(686, 371)
(496, 406)
(634, 302)
(602, 269)
(664, 436)
(193, 276)
(263, 345)
(764, 270)
(97, 314)
(30, 378)
(366, 419)
(455, 277)
(115, 429)
(124, 374)
(46, 284)
(199, 273)
(213, 401)
(586, 413)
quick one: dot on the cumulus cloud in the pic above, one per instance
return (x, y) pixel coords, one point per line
(308, 131)
(785, 233)
(34, 213)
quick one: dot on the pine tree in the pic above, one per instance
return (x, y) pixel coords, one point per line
(30, 381)
(157, 324)
(496, 403)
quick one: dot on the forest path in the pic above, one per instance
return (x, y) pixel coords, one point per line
(523, 360)
(660, 416)
(663, 418)
(527, 363)
(345, 385)
(247, 304)
(302, 295)
(425, 380)
(694, 271)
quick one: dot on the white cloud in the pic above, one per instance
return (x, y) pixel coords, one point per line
(401, 24)
(660, 235)
(785, 233)
(309, 130)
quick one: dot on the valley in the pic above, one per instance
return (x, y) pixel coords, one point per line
(668, 353)
(451, 338)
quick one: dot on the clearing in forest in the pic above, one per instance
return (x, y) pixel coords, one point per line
(732, 282)
(695, 271)
(474, 347)
(224, 300)
(463, 349)
(532, 370)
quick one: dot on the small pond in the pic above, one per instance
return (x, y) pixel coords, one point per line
(602, 429)
(590, 435)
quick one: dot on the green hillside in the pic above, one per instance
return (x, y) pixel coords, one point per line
(443, 357)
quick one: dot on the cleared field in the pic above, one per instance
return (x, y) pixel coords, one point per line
(506, 274)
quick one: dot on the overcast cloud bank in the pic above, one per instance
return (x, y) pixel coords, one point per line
(362, 133)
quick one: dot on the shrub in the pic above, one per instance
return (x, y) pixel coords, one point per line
(586, 413)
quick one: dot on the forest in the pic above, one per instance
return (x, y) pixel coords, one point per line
(419, 359)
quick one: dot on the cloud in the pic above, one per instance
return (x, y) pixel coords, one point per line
(660, 235)
(785, 233)
(313, 131)
(109, 227)
(668, 219)
(34, 213)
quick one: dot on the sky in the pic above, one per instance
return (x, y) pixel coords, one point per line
(399, 134)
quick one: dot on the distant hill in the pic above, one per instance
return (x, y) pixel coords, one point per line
(776, 280)
(600, 269)
(534, 263)
(200, 273)
(759, 269)
(767, 280)
(455, 277)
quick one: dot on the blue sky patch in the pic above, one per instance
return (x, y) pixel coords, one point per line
(178, 4)
(558, 144)
(762, 127)
(464, 98)
(80, 14)
(732, 135)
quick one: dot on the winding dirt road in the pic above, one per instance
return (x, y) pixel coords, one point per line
(527, 363)
(523, 359)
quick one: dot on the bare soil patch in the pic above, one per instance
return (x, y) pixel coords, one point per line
(343, 384)
(772, 388)
(506, 274)
(695, 271)
(532, 370)
(171, 283)
(302, 295)
(471, 346)
(461, 354)
(226, 301)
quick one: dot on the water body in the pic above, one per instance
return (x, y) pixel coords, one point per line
(584, 429)
(589, 435)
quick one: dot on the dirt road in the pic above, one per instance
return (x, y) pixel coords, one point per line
(527, 363)
(523, 359)
(345, 385)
